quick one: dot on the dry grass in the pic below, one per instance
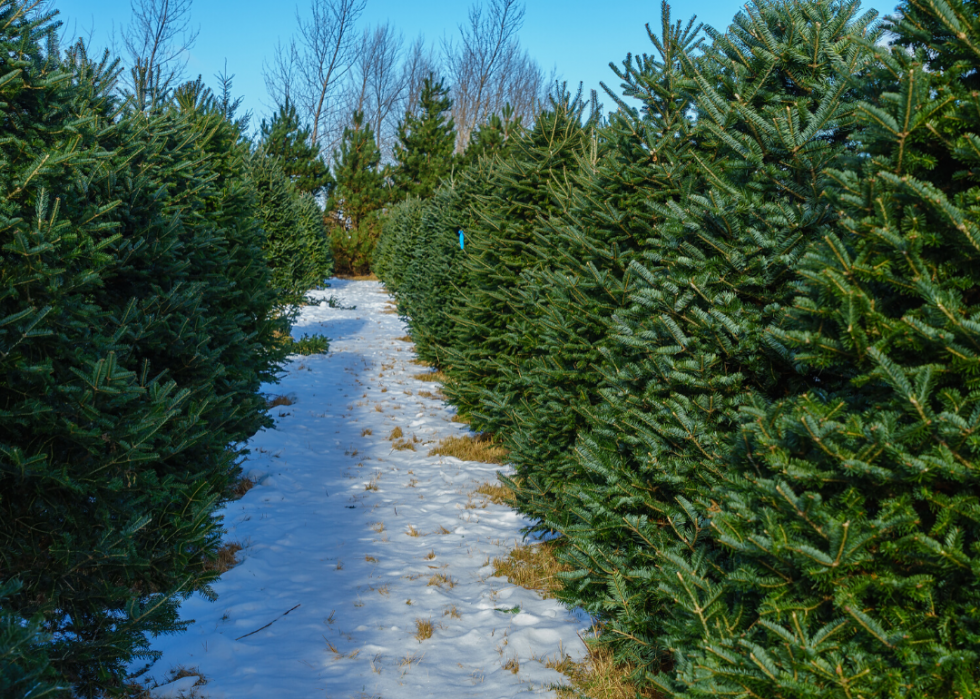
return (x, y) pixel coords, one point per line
(598, 676)
(367, 432)
(403, 444)
(412, 531)
(370, 559)
(514, 665)
(242, 486)
(276, 401)
(379, 527)
(405, 338)
(497, 493)
(461, 419)
(378, 409)
(423, 629)
(466, 448)
(440, 579)
(453, 613)
(431, 376)
(226, 560)
(396, 434)
(390, 310)
(430, 555)
(443, 530)
(533, 566)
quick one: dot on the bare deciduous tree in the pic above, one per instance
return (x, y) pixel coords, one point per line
(157, 40)
(376, 85)
(308, 71)
(488, 68)
(420, 62)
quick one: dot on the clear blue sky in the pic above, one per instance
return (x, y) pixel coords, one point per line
(576, 37)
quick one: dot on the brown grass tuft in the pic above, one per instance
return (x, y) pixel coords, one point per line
(242, 486)
(367, 432)
(396, 434)
(514, 665)
(276, 401)
(226, 560)
(405, 338)
(497, 493)
(453, 613)
(412, 531)
(431, 376)
(460, 418)
(598, 676)
(533, 566)
(467, 448)
(423, 629)
(440, 579)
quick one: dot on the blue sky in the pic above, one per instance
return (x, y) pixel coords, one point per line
(578, 38)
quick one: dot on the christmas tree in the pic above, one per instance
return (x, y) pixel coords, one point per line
(424, 151)
(360, 191)
(285, 138)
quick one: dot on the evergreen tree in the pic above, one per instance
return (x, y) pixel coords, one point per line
(284, 137)
(492, 137)
(851, 520)
(424, 151)
(138, 323)
(297, 246)
(691, 348)
(360, 192)
(517, 196)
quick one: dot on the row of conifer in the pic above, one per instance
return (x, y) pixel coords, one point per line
(730, 336)
(149, 259)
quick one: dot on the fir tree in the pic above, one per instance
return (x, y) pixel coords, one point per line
(424, 151)
(852, 526)
(491, 137)
(284, 137)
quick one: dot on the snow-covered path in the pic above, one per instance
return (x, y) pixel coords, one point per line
(357, 541)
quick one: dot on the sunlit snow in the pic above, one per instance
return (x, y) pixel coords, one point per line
(338, 557)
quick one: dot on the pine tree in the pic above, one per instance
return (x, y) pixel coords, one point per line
(359, 193)
(689, 349)
(284, 137)
(424, 151)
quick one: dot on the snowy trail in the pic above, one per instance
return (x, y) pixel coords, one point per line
(330, 537)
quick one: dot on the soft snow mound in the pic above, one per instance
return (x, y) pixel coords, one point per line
(349, 544)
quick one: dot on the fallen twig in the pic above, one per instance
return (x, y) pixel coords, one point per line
(270, 623)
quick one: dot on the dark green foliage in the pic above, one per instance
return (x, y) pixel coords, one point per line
(285, 138)
(855, 498)
(309, 344)
(730, 344)
(517, 193)
(24, 667)
(137, 322)
(491, 137)
(359, 193)
(297, 248)
(424, 151)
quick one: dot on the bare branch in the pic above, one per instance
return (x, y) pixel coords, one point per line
(488, 69)
(159, 37)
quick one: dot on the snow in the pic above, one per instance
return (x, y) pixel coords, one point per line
(325, 599)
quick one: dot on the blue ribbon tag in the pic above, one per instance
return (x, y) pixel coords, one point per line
(461, 239)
